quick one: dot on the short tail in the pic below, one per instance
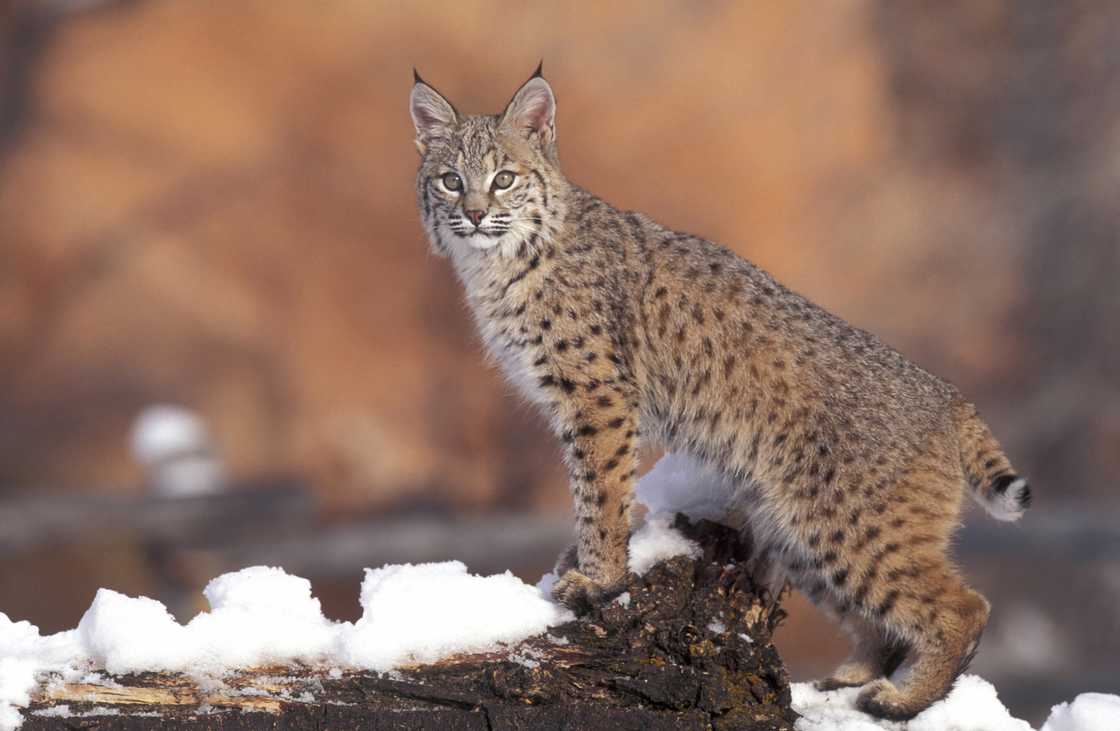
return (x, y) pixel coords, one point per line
(995, 485)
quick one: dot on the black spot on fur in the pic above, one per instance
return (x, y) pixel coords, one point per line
(888, 603)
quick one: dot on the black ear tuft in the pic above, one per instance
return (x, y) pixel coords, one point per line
(540, 70)
(416, 77)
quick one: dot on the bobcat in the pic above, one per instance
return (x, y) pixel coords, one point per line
(851, 461)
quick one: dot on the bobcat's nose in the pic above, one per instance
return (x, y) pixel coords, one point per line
(475, 216)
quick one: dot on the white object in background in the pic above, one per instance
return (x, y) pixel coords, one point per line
(174, 447)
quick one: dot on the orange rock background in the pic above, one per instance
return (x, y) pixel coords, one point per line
(212, 204)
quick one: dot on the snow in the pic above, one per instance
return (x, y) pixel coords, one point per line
(1087, 712)
(972, 705)
(418, 614)
(679, 484)
(264, 616)
(657, 541)
(258, 616)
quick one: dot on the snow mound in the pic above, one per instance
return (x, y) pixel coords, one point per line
(972, 705)
(419, 614)
(1087, 712)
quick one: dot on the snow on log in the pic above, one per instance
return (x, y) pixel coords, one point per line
(686, 646)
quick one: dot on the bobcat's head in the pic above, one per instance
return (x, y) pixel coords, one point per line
(488, 183)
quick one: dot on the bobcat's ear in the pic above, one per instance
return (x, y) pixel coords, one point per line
(432, 115)
(532, 111)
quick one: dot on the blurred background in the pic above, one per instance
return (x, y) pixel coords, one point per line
(209, 205)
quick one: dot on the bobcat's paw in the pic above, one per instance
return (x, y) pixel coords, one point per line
(883, 700)
(577, 592)
(580, 593)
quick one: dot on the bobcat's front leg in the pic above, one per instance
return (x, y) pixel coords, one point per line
(600, 435)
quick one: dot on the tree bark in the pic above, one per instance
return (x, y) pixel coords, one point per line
(687, 646)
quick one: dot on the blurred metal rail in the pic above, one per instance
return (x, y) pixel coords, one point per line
(486, 543)
(29, 522)
(279, 524)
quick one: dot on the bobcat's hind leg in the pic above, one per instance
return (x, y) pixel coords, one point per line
(874, 656)
(947, 633)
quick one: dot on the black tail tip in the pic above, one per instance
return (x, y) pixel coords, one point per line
(1002, 483)
(1018, 486)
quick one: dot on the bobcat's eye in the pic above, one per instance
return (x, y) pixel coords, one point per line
(503, 180)
(452, 182)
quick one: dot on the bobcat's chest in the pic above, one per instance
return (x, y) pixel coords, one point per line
(515, 346)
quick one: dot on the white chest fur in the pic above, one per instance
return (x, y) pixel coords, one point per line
(507, 338)
(515, 356)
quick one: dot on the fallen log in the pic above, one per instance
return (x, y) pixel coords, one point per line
(686, 646)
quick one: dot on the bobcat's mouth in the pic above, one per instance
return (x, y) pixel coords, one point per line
(482, 240)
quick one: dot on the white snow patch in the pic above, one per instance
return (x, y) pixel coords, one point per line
(678, 483)
(1087, 712)
(623, 599)
(717, 627)
(657, 541)
(425, 612)
(544, 586)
